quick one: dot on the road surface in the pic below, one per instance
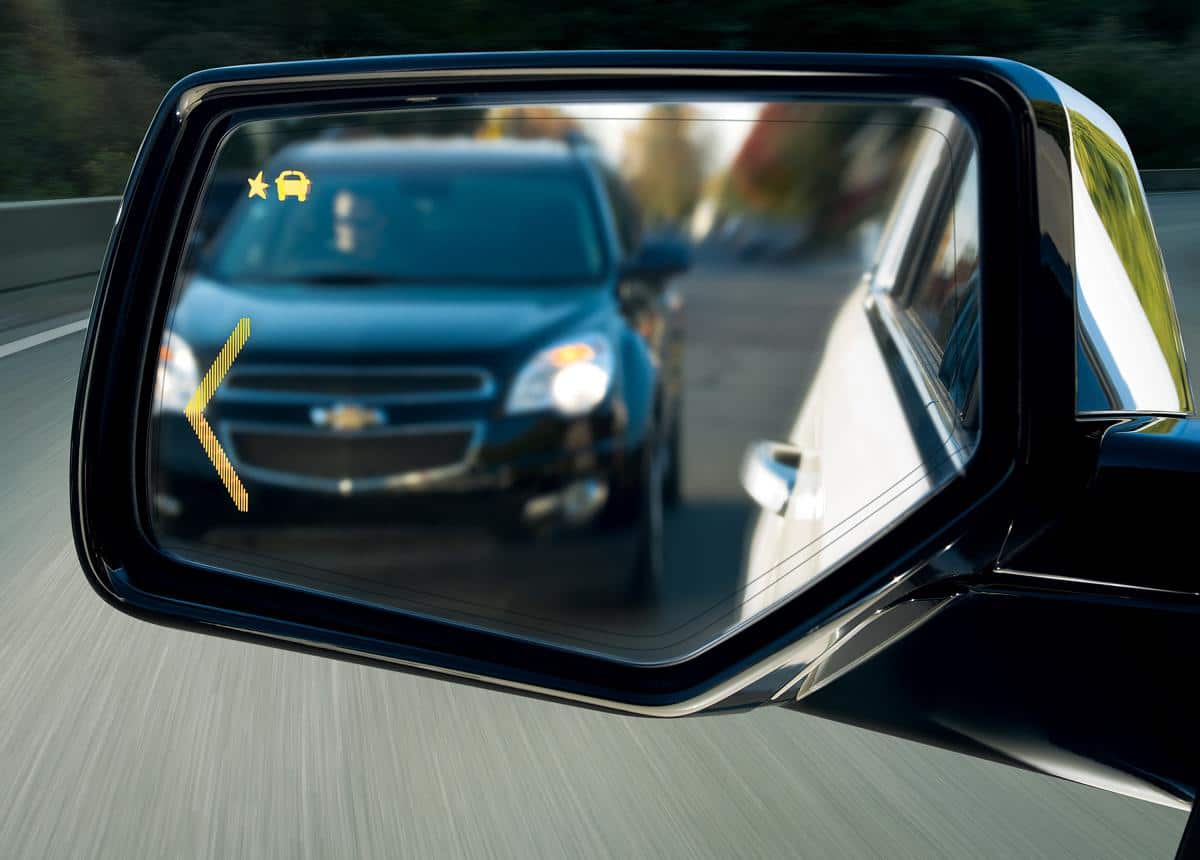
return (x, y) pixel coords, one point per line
(120, 739)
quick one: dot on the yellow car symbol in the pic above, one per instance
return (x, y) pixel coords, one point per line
(292, 183)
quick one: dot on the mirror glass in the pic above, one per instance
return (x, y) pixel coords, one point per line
(616, 377)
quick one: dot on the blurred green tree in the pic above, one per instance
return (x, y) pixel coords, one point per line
(1109, 177)
(79, 79)
(665, 163)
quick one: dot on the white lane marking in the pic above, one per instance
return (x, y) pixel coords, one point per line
(41, 337)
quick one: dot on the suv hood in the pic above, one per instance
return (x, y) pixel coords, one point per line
(299, 322)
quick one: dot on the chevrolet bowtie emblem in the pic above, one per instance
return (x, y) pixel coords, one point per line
(346, 417)
(195, 413)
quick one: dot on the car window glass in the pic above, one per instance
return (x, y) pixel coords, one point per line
(933, 298)
(517, 226)
(944, 299)
(960, 358)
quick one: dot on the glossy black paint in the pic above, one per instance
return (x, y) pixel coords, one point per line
(1130, 525)
(1069, 655)
(1088, 687)
(1061, 675)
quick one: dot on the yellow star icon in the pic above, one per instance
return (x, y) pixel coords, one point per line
(258, 188)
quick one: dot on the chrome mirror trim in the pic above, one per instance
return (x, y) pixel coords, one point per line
(1130, 355)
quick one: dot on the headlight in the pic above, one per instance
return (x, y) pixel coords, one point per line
(570, 377)
(177, 377)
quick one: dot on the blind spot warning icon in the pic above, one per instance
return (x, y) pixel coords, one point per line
(292, 183)
(195, 413)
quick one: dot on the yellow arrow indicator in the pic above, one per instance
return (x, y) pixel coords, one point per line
(195, 413)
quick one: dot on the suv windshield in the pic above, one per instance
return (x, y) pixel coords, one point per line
(462, 225)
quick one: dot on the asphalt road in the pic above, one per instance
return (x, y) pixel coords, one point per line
(119, 739)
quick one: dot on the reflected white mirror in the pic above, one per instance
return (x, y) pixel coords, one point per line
(616, 377)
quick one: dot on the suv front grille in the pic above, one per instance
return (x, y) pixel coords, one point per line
(336, 456)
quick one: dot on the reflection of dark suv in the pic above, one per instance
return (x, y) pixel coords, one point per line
(443, 331)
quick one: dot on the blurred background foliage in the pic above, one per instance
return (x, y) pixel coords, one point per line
(79, 79)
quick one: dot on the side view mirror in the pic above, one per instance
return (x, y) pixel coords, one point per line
(660, 257)
(396, 416)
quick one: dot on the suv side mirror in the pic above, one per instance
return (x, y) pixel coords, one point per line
(659, 258)
(966, 529)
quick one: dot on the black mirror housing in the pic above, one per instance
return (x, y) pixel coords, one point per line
(112, 509)
(1033, 451)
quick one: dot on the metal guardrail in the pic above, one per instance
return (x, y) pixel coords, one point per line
(1171, 180)
(47, 241)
